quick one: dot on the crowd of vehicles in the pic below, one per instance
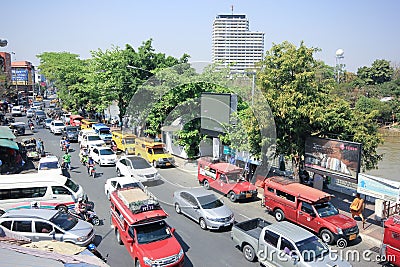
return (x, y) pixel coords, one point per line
(138, 220)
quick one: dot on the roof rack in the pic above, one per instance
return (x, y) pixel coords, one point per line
(139, 199)
(281, 180)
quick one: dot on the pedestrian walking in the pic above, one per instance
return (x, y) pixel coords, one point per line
(357, 207)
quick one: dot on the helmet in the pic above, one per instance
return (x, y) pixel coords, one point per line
(91, 247)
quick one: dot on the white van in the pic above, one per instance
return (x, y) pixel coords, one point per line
(38, 190)
(16, 111)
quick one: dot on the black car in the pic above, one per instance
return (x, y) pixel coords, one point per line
(40, 115)
(71, 132)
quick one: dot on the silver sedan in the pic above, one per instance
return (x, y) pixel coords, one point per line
(204, 208)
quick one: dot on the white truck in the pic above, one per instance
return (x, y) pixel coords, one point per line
(282, 244)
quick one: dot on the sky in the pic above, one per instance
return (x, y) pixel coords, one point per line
(366, 30)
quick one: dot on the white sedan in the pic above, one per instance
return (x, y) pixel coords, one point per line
(116, 183)
(103, 155)
(136, 167)
(92, 140)
(29, 113)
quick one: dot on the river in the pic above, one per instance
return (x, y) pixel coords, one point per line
(389, 167)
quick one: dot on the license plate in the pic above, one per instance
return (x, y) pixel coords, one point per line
(248, 195)
(353, 236)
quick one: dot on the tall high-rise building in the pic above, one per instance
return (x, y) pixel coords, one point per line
(234, 44)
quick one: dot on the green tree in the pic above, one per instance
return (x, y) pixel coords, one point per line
(303, 106)
(380, 72)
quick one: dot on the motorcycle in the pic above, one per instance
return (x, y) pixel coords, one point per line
(65, 147)
(89, 214)
(92, 171)
(83, 159)
(31, 126)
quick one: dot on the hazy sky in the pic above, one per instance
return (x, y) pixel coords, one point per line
(366, 30)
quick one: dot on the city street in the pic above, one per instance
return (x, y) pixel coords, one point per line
(202, 248)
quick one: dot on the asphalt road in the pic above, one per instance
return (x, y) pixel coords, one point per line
(202, 248)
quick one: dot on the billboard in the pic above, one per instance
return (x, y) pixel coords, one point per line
(336, 158)
(20, 75)
(216, 110)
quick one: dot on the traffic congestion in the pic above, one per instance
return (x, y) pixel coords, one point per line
(137, 205)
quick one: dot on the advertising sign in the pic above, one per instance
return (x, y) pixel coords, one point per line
(337, 158)
(378, 187)
(20, 75)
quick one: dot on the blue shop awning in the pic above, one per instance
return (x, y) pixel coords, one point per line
(9, 143)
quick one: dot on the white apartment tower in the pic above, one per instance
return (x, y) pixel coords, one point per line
(234, 44)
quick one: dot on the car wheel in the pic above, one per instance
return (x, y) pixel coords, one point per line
(96, 221)
(249, 253)
(137, 263)
(62, 208)
(177, 208)
(206, 184)
(119, 173)
(126, 152)
(203, 224)
(154, 164)
(118, 236)
(232, 196)
(279, 215)
(327, 236)
(1, 212)
(108, 195)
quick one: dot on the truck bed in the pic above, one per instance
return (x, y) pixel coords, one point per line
(248, 232)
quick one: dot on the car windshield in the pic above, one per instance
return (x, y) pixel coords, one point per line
(152, 232)
(326, 209)
(40, 112)
(58, 124)
(159, 150)
(64, 220)
(72, 129)
(131, 185)
(312, 248)
(72, 185)
(104, 131)
(139, 163)
(106, 152)
(210, 202)
(93, 138)
(49, 120)
(48, 165)
(130, 141)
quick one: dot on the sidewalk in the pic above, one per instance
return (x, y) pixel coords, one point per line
(371, 230)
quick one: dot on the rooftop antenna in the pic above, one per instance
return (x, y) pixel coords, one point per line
(232, 9)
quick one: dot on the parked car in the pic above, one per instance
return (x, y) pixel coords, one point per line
(44, 224)
(71, 132)
(117, 183)
(48, 123)
(204, 208)
(30, 112)
(103, 155)
(56, 126)
(18, 127)
(136, 167)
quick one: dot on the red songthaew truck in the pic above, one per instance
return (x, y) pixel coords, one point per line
(391, 240)
(138, 222)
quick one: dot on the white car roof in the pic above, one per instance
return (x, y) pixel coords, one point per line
(58, 121)
(48, 159)
(124, 180)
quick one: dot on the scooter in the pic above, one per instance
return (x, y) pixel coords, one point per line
(31, 126)
(92, 171)
(89, 214)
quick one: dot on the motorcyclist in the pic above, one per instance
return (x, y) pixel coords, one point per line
(80, 209)
(67, 160)
(84, 155)
(90, 164)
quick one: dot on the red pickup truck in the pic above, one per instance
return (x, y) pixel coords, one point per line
(391, 240)
(226, 179)
(310, 208)
(138, 222)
